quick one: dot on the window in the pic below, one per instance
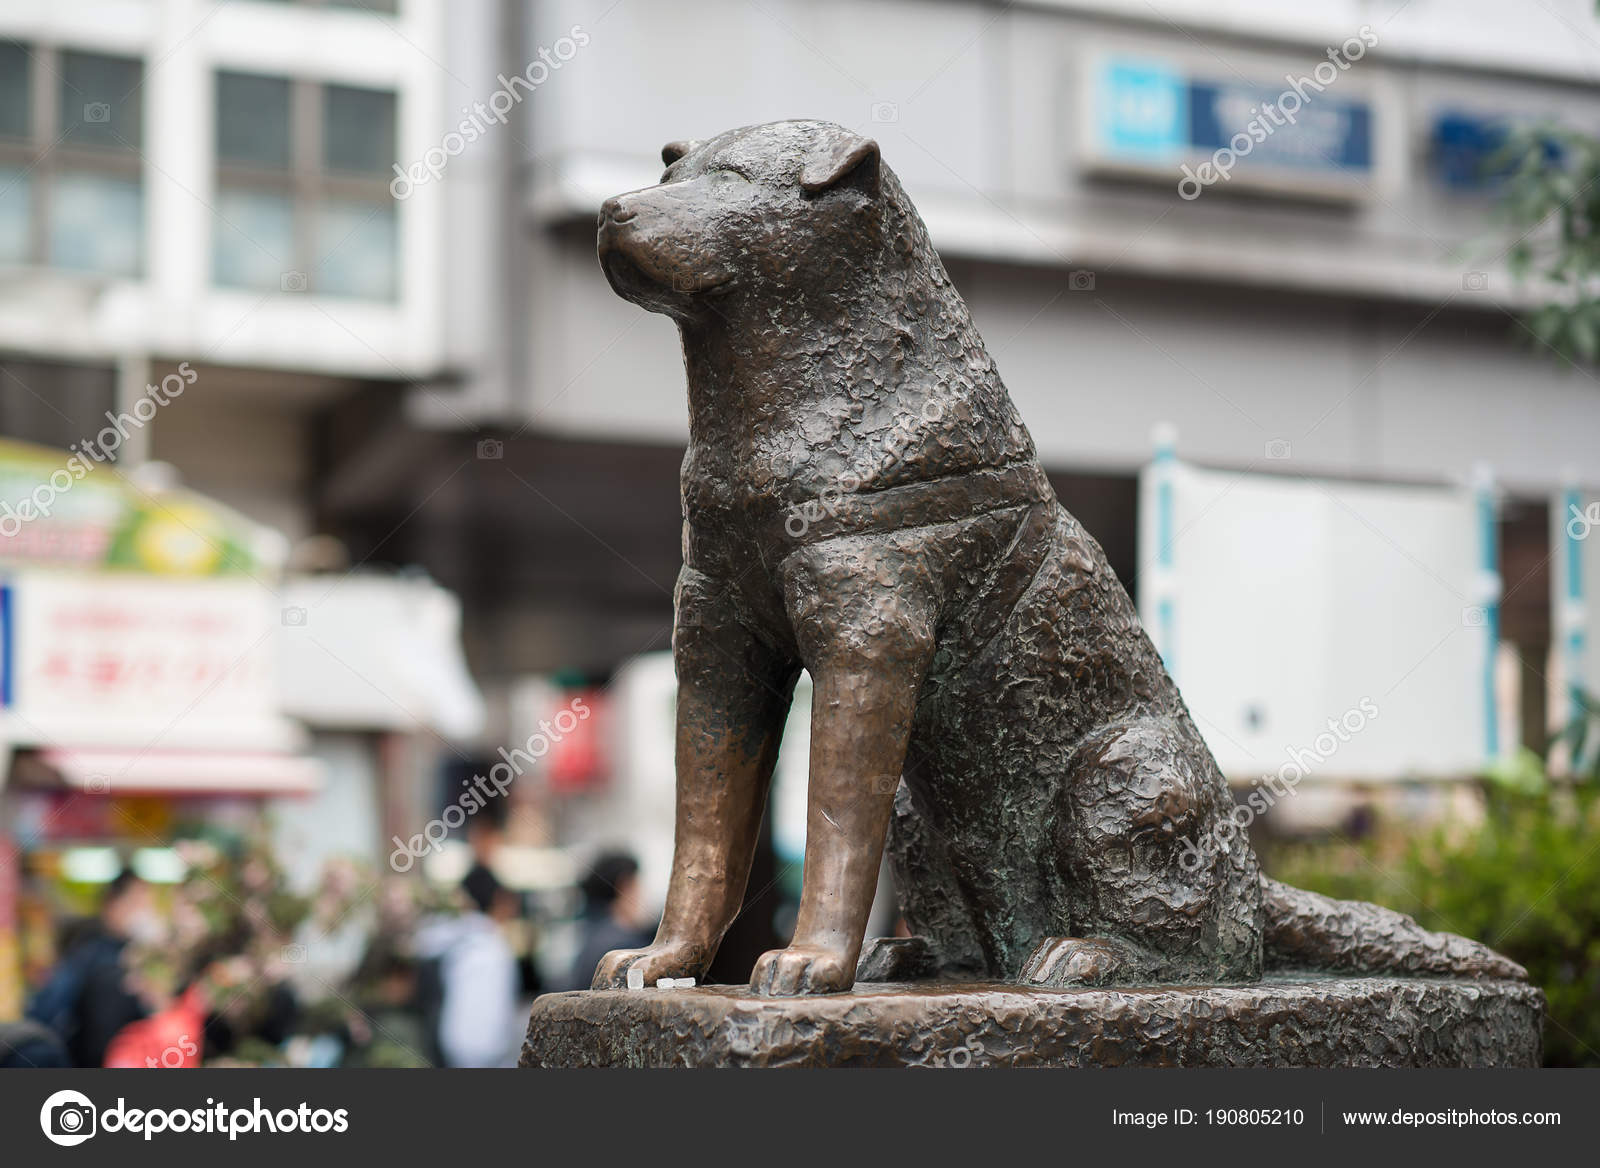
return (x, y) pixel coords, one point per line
(389, 6)
(303, 202)
(16, 128)
(71, 190)
(363, 5)
(14, 96)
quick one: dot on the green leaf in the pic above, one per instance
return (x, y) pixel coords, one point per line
(1520, 259)
(1546, 323)
(1584, 338)
(1522, 773)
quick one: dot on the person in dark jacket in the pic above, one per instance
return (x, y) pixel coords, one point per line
(86, 1000)
(611, 914)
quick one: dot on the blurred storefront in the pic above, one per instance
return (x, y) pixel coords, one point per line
(160, 681)
(139, 695)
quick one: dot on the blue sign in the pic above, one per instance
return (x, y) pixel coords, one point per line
(1323, 134)
(1149, 114)
(1143, 110)
(1463, 149)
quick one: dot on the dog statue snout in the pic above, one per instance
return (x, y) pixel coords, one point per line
(613, 211)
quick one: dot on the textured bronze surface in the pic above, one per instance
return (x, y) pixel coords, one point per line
(861, 499)
(1287, 1022)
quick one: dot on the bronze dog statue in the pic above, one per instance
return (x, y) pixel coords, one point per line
(861, 499)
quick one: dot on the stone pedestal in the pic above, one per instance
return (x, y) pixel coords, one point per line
(1296, 1021)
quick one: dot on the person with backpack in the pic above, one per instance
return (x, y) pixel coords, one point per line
(468, 977)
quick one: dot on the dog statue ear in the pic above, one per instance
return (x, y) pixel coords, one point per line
(673, 151)
(848, 156)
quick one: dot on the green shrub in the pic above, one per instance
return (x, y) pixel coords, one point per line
(1525, 881)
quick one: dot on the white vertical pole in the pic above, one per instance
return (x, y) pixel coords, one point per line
(1489, 600)
(1580, 522)
(1164, 587)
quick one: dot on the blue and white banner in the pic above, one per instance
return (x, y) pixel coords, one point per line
(1308, 132)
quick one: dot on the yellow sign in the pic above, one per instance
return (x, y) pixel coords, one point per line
(62, 509)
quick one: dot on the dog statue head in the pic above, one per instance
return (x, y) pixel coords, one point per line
(760, 213)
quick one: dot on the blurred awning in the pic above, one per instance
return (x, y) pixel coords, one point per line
(110, 772)
(370, 652)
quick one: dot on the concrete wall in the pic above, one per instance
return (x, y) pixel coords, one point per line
(1353, 387)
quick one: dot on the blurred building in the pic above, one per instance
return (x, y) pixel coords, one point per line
(369, 228)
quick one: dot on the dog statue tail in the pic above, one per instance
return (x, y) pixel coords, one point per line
(1304, 930)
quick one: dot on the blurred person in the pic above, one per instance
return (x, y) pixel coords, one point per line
(484, 834)
(388, 1028)
(261, 1010)
(327, 946)
(225, 963)
(87, 999)
(178, 1032)
(171, 1037)
(470, 997)
(611, 914)
(26, 1043)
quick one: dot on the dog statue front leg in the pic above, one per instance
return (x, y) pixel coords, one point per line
(733, 696)
(865, 688)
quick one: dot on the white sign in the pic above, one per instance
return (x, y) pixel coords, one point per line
(1336, 629)
(142, 662)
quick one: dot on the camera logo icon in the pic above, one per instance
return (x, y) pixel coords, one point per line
(97, 111)
(1279, 449)
(1475, 282)
(293, 282)
(68, 1118)
(491, 448)
(885, 112)
(294, 617)
(1475, 617)
(1081, 281)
